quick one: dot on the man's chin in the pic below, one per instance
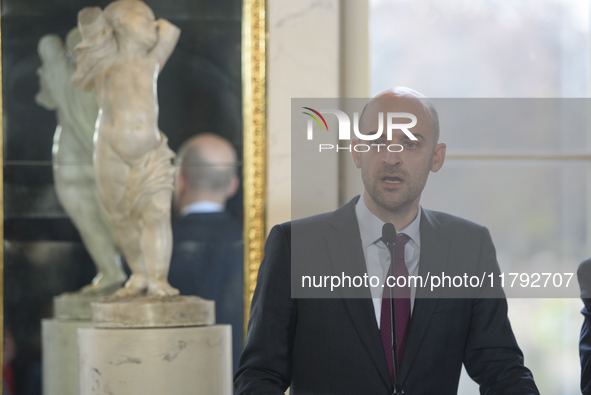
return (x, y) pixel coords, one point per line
(395, 202)
(392, 199)
(391, 205)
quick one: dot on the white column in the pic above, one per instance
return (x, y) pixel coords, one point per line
(354, 82)
(302, 61)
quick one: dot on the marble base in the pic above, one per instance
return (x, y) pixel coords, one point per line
(60, 356)
(179, 361)
(75, 306)
(152, 312)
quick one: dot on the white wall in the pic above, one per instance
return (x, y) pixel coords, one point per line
(315, 49)
(302, 61)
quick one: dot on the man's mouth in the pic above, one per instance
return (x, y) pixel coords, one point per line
(392, 180)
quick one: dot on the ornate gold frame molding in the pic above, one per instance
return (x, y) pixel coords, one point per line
(255, 143)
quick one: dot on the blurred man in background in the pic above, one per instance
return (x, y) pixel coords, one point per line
(207, 257)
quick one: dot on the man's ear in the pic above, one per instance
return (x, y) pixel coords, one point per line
(438, 157)
(356, 156)
(181, 183)
(233, 187)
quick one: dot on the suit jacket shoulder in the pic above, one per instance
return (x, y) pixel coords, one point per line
(451, 221)
(346, 214)
(207, 226)
(584, 277)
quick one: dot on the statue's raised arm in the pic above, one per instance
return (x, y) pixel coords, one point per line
(97, 47)
(168, 35)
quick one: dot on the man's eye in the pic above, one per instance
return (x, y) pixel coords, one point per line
(377, 142)
(411, 144)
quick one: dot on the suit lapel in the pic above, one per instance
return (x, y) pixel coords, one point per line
(346, 253)
(433, 259)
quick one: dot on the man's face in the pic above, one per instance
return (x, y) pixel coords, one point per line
(394, 180)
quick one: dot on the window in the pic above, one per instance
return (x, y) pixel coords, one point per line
(533, 192)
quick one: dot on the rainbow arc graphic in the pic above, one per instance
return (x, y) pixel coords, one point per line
(316, 119)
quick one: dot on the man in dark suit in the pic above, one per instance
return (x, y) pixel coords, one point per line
(584, 277)
(344, 345)
(207, 256)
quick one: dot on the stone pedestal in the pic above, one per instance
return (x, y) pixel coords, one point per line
(153, 312)
(60, 356)
(59, 340)
(179, 361)
(76, 306)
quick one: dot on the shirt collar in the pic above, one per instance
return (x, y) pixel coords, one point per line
(370, 226)
(201, 207)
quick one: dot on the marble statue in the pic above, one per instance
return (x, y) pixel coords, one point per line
(121, 55)
(72, 159)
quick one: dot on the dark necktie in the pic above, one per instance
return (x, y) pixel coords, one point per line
(401, 305)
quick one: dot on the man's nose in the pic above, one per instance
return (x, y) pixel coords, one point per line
(392, 158)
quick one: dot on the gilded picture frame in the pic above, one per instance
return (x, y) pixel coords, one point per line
(255, 147)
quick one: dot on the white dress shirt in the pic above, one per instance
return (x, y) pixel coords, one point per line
(203, 206)
(377, 256)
